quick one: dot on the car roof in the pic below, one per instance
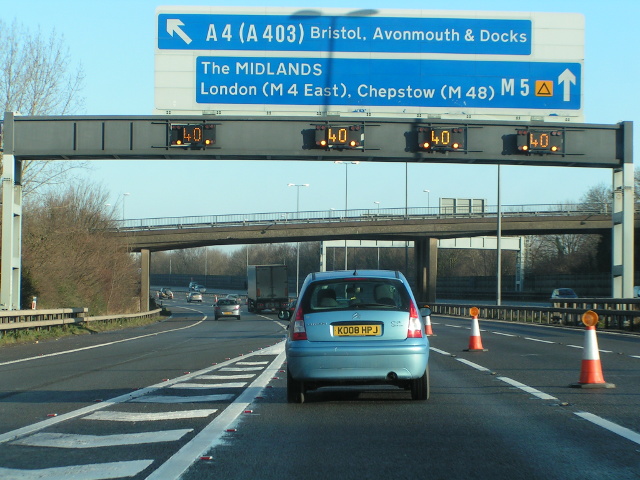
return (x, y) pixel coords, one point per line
(338, 274)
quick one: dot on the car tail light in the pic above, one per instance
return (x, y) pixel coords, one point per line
(299, 330)
(415, 326)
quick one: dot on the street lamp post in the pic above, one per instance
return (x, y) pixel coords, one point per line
(346, 198)
(124, 197)
(378, 204)
(428, 192)
(297, 185)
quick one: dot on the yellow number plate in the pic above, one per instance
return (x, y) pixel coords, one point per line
(357, 330)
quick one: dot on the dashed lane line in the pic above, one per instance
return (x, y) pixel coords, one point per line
(115, 416)
(72, 440)
(209, 385)
(473, 365)
(596, 420)
(95, 471)
(188, 399)
(525, 388)
(612, 427)
(538, 340)
(241, 369)
(226, 377)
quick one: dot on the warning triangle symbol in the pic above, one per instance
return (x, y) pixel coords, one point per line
(544, 90)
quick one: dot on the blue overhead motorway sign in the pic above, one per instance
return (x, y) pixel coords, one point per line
(309, 33)
(375, 63)
(387, 83)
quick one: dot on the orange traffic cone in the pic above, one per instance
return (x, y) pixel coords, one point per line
(475, 342)
(427, 326)
(591, 371)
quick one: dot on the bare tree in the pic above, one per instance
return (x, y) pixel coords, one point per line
(35, 79)
(70, 257)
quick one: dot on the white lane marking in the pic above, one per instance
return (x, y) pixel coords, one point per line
(474, 365)
(452, 326)
(240, 369)
(212, 434)
(112, 416)
(209, 385)
(190, 399)
(252, 363)
(70, 440)
(612, 427)
(504, 334)
(122, 398)
(525, 388)
(575, 346)
(441, 352)
(635, 356)
(226, 377)
(93, 471)
(537, 340)
(101, 345)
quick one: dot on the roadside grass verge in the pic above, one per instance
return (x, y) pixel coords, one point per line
(35, 335)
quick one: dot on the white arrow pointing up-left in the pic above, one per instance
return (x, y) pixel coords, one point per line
(173, 26)
(567, 77)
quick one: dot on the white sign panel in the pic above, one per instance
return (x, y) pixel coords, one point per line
(452, 64)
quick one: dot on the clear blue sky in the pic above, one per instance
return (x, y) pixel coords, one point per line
(114, 42)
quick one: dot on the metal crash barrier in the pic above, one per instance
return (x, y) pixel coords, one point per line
(23, 319)
(613, 314)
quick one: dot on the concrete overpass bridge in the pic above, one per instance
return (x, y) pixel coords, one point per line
(423, 226)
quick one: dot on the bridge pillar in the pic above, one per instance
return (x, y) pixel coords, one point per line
(426, 255)
(145, 282)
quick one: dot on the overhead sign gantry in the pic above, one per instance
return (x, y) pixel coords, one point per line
(324, 85)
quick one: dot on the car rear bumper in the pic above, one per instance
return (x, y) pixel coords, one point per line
(342, 362)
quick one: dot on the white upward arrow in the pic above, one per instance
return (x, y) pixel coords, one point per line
(173, 26)
(567, 78)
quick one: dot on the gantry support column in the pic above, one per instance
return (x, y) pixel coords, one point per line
(10, 272)
(426, 254)
(145, 283)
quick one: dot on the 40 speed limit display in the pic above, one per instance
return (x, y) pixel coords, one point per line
(387, 82)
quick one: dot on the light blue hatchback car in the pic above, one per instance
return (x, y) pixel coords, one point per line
(358, 327)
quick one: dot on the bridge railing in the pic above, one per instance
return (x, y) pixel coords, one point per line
(367, 214)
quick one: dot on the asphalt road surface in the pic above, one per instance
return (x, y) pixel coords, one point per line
(194, 398)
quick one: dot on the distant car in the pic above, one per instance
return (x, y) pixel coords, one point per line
(234, 297)
(200, 288)
(194, 297)
(636, 291)
(563, 293)
(225, 307)
(165, 293)
(372, 336)
(192, 285)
